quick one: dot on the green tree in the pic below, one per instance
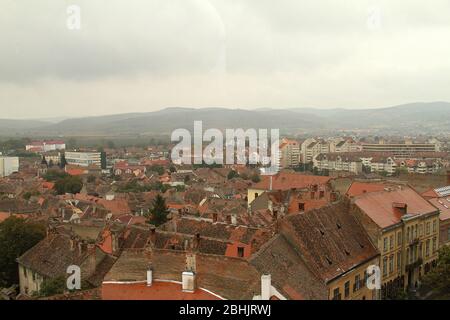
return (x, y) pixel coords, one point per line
(63, 162)
(256, 178)
(232, 174)
(159, 212)
(51, 287)
(68, 184)
(439, 277)
(157, 168)
(54, 175)
(16, 237)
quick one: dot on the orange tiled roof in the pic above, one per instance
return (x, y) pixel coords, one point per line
(157, 291)
(379, 205)
(358, 188)
(289, 180)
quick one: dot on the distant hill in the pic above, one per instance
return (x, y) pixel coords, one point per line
(413, 118)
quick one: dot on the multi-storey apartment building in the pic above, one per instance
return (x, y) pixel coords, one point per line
(8, 165)
(83, 159)
(405, 228)
(379, 163)
(310, 148)
(289, 153)
(344, 145)
(348, 162)
(406, 149)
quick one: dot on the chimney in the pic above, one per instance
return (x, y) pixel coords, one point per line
(266, 286)
(149, 276)
(333, 196)
(233, 219)
(196, 241)
(188, 281)
(152, 234)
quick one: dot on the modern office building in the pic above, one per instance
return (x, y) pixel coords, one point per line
(8, 165)
(84, 159)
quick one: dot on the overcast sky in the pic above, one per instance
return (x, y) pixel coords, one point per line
(145, 55)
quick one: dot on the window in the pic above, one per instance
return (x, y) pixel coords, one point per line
(407, 234)
(385, 244)
(427, 248)
(391, 263)
(336, 294)
(357, 284)
(347, 289)
(399, 261)
(399, 238)
(385, 266)
(434, 244)
(25, 273)
(256, 195)
(434, 226)
(301, 206)
(391, 242)
(241, 252)
(428, 228)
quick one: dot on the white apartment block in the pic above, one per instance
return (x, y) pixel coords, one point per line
(341, 145)
(406, 149)
(289, 153)
(8, 165)
(380, 164)
(311, 147)
(46, 146)
(338, 162)
(83, 159)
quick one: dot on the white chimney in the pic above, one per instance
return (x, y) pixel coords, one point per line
(266, 286)
(188, 279)
(233, 219)
(149, 277)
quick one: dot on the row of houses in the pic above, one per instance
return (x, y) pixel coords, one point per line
(359, 162)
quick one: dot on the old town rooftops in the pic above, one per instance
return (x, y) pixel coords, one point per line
(329, 240)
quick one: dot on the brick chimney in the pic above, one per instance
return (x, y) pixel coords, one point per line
(197, 241)
(152, 234)
(333, 196)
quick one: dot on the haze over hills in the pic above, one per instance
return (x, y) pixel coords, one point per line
(413, 118)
